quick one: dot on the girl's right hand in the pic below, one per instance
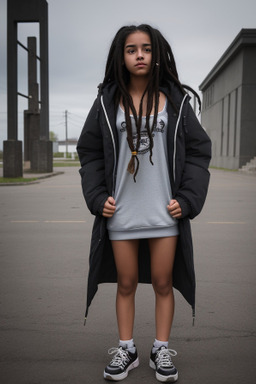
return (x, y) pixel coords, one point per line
(109, 207)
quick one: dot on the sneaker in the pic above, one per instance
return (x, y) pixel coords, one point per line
(161, 361)
(121, 364)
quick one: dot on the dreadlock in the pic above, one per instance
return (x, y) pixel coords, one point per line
(163, 72)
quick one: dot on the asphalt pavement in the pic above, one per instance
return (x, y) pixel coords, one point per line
(45, 231)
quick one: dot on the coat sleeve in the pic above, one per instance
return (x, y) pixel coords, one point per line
(91, 156)
(193, 188)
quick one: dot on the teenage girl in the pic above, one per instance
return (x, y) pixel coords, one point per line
(144, 167)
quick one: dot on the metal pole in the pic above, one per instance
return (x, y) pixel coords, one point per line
(12, 77)
(44, 70)
(32, 75)
(66, 129)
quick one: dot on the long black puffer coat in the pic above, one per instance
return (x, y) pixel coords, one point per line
(189, 154)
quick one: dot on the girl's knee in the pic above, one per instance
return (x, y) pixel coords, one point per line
(162, 287)
(127, 287)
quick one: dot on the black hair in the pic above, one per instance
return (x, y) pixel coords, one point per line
(163, 72)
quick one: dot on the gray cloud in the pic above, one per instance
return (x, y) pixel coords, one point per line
(80, 33)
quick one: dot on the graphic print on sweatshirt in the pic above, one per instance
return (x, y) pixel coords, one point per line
(144, 138)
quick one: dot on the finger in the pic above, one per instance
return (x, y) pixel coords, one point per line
(110, 207)
(175, 206)
(111, 200)
(176, 215)
(107, 215)
(175, 210)
(108, 211)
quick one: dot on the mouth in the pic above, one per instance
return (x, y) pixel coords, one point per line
(140, 65)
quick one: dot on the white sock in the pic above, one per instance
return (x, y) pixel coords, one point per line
(128, 344)
(157, 344)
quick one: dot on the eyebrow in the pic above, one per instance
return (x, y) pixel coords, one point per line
(134, 45)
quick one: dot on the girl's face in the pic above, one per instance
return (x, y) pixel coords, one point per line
(137, 53)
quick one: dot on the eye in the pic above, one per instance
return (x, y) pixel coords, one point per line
(148, 50)
(131, 51)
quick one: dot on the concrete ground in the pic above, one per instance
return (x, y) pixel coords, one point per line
(45, 235)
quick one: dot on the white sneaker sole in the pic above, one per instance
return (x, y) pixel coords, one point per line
(123, 375)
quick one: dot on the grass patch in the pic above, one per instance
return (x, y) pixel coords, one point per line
(224, 169)
(66, 164)
(16, 179)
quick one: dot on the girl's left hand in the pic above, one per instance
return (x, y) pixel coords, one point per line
(174, 209)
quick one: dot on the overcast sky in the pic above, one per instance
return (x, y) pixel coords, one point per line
(80, 33)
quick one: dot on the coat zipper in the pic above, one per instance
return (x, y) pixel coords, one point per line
(175, 136)
(113, 140)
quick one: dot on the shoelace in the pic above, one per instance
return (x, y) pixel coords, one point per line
(164, 357)
(121, 357)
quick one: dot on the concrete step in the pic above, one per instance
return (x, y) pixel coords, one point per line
(249, 167)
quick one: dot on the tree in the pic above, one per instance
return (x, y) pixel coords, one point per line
(53, 136)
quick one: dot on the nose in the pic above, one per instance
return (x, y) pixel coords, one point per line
(140, 55)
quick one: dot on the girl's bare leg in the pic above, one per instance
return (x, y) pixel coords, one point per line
(162, 258)
(126, 259)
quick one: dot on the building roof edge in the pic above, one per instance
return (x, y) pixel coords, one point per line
(247, 36)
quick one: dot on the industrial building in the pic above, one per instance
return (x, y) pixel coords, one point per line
(229, 103)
